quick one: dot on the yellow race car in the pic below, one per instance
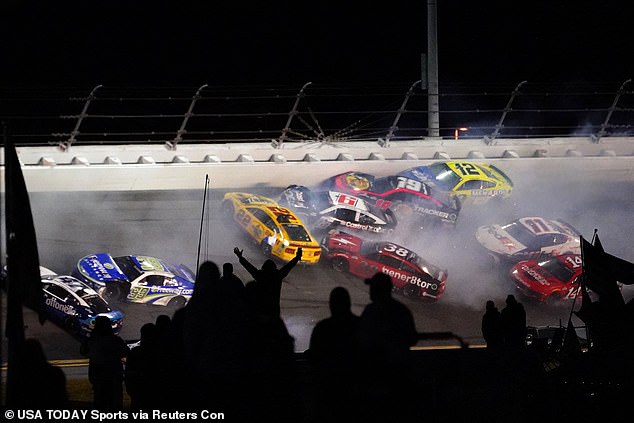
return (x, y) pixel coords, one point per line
(474, 183)
(276, 229)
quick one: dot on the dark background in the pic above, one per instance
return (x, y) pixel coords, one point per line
(186, 43)
(361, 58)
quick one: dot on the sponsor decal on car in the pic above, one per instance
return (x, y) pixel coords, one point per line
(360, 226)
(64, 308)
(531, 272)
(433, 212)
(414, 280)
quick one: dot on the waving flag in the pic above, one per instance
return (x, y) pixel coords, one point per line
(602, 271)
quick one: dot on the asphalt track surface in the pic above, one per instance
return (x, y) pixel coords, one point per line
(169, 224)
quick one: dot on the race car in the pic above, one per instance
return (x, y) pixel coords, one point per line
(405, 196)
(411, 275)
(137, 279)
(473, 183)
(326, 210)
(529, 238)
(74, 306)
(276, 229)
(550, 280)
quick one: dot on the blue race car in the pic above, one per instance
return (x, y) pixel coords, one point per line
(74, 306)
(137, 279)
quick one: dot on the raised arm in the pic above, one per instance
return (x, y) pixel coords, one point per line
(245, 263)
(286, 269)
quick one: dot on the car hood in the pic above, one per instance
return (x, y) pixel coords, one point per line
(497, 240)
(100, 268)
(534, 277)
(343, 241)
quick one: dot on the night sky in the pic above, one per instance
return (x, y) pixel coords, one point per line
(247, 43)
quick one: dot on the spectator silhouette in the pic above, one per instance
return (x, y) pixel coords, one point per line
(41, 386)
(106, 354)
(198, 332)
(269, 280)
(386, 332)
(492, 331)
(334, 355)
(141, 377)
(271, 391)
(514, 324)
(231, 282)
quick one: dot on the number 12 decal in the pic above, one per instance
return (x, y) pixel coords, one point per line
(467, 169)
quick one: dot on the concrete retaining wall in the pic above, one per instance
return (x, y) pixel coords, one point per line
(154, 167)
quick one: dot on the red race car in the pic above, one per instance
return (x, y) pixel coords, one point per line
(550, 280)
(403, 195)
(411, 275)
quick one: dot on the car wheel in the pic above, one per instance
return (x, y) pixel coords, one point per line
(411, 290)
(552, 299)
(72, 325)
(266, 248)
(177, 302)
(340, 264)
(111, 292)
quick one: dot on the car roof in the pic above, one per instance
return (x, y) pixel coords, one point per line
(75, 287)
(540, 225)
(248, 198)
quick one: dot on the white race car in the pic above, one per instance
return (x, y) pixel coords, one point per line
(529, 237)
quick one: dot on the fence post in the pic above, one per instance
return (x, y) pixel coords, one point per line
(393, 128)
(65, 145)
(278, 143)
(597, 137)
(489, 139)
(171, 145)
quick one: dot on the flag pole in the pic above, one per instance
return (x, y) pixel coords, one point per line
(202, 220)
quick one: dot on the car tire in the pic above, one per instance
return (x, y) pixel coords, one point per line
(111, 292)
(72, 325)
(340, 264)
(552, 299)
(177, 302)
(411, 290)
(266, 248)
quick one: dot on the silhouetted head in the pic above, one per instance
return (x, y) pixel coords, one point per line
(208, 272)
(380, 286)
(227, 269)
(103, 326)
(163, 323)
(269, 265)
(490, 305)
(339, 301)
(510, 299)
(148, 333)
(33, 352)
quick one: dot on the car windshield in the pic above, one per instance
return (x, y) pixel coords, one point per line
(558, 269)
(380, 185)
(369, 248)
(430, 269)
(181, 271)
(498, 170)
(444, 175)
(97, 304)
(297, 233)
(128, 267)
(519, 232)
